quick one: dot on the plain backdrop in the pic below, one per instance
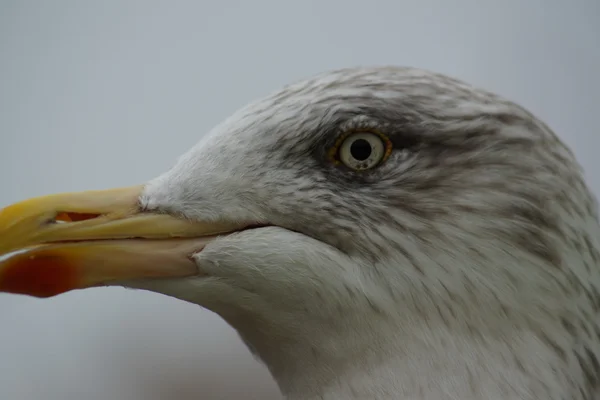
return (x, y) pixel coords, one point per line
(98, 94)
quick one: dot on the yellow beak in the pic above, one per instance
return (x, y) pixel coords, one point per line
(78, 240)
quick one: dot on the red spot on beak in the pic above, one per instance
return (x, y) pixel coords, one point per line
(40, 275)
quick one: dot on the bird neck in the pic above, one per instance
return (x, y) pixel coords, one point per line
(383, 361)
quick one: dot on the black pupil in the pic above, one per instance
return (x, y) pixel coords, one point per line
(361, 149)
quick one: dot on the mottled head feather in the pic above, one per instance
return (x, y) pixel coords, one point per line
(474, 246)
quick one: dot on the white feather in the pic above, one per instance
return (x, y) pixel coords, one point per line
(451, 308)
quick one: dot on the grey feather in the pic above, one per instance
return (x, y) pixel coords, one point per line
(467, 266)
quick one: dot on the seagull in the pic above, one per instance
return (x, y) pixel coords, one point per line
(377, 232)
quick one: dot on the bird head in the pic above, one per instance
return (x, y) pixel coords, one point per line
(360, 203)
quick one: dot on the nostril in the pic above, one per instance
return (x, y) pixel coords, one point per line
(66, 216)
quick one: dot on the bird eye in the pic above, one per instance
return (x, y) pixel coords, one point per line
(363, 150)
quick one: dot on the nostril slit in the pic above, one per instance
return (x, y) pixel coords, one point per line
(65, 216)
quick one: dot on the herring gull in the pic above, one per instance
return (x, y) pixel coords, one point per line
(371, 233)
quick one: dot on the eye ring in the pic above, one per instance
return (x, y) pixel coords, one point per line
(361, 150)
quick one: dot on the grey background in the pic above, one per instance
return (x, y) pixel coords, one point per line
(97, 94)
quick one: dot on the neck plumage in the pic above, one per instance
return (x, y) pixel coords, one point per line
(421, 361)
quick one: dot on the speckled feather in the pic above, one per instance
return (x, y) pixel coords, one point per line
(467, 266)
